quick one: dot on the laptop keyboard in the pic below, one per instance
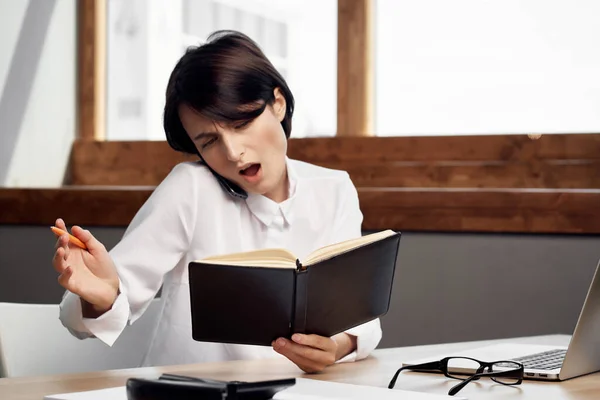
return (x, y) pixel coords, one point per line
(546, 360)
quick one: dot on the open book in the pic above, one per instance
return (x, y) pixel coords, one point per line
(282, 258)
(257, 296)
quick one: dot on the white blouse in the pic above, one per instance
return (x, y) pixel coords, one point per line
(189, 217)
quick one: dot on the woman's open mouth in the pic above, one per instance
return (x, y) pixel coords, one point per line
(251, 173)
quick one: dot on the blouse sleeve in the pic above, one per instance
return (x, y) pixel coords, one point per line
(154, 242)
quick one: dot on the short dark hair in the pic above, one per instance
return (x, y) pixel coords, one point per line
(228, 79)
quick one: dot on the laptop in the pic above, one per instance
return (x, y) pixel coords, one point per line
(552, 363)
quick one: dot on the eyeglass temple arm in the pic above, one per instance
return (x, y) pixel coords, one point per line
(455, 389)
(434, 365)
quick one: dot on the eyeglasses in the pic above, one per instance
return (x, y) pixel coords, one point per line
(503, 372)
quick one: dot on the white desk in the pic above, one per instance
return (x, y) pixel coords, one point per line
(377, 370)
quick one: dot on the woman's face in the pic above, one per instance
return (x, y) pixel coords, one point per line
(251, 155)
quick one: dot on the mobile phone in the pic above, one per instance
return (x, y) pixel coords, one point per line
(230, 188)
(169, 387)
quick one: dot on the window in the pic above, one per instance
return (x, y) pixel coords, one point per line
(147, 37)
(486, 67)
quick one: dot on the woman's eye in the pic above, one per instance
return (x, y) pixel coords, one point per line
(208, 143)
(242, 125)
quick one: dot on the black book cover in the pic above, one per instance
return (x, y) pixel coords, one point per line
(256, 305)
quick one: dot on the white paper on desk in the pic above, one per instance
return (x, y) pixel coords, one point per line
(116, 393)
(304, 389)
(310, 389)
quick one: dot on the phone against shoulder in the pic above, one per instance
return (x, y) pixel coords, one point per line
(169, 387)
(230, 188)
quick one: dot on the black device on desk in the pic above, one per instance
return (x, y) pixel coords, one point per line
(177, 387)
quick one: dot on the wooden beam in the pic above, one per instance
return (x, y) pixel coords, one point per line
(481, 210)
(355, 68)
(91, 69)
(543, 174)
(409, 209)
(474, 148)
(509, 161)
(122, 162)
(106, 206)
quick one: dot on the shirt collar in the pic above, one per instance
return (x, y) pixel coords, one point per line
(266, 209)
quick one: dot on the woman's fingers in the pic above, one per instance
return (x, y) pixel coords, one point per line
(316, 341)
(305, 364)
(93, 244)
(308, 358)
(62, 241)
(59, 223)
(65, 277)
(58, 261)
(66, 247)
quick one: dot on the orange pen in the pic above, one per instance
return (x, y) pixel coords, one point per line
(59, 232)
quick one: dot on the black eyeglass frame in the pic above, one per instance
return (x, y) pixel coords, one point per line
(442, 365)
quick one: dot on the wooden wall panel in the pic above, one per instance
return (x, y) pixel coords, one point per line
(555, 161)
(76, 205)
(122, 163)
(454, 184)
(480, 175)
(448, 148)
(440, 210)
(480, 210)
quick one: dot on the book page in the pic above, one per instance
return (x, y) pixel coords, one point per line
(282, 258)
(269, 258)
(334, 249)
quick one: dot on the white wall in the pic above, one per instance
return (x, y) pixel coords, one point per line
(476, 66)
(37, 103)
(11, 18)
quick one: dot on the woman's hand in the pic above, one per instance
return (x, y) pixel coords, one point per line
(90, 274)
(313, 353)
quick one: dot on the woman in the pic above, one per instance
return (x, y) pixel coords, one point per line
(227, 104)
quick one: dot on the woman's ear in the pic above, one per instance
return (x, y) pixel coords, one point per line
(279, 105)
